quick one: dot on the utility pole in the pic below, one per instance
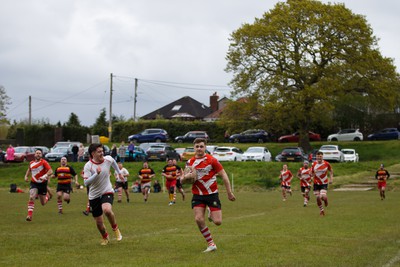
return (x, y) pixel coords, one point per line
(135, 100)
(30, 111)
(110, 120)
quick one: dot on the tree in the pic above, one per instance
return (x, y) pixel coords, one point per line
(100, 127)
(303, 56)
(73, 120)
(4, 102)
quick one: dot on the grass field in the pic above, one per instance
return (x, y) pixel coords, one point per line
(258, 229)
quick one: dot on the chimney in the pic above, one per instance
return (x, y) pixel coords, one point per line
(214, 102)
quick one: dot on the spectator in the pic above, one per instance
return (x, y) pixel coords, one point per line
(81, 153)
(157, 186)
(10, 153)
(75, 150)
(131, 149)
(113, 153)
(136, 187)
(122, 152)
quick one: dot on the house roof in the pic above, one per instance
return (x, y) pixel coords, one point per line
(184, 107)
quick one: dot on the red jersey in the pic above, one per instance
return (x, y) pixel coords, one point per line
(286, 177)
(207, 169)
(320, 172)
(64, 174)
(305, 176)
(146, 173)
(38, 169)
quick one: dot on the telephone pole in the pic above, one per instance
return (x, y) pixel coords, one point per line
(135, 100)
(110, 120)
(30, 111)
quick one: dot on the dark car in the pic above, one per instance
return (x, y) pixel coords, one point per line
(250, 136)
(106, 148)
(294, 138)
(190, 136)
(57, 153)
(44, 149)
(22, 153)
(293, 154)
(138, 155)
(150, 135)
(385, 134)
(162, 153)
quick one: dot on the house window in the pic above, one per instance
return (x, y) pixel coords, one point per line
(177, 107)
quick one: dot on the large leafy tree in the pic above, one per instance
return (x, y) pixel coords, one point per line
(303, 56)
(101, 125)
(73, 120)
(4, 102)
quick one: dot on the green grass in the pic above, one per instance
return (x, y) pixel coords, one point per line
(258, 229)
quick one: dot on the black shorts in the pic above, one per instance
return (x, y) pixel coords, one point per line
(96, 203)
(66, 188)
(41, 187)
(303, 188)
(178, 183)
(123, 185)
(211, 201)
(319, 187)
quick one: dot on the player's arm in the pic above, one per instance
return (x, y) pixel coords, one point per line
(227, 184)
(27, 174)
(387, 174)
(331, 176)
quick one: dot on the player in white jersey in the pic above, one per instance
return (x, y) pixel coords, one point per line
(96, 174)
(122, 184)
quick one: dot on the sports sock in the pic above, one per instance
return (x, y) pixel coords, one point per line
(31, 206)
(207, 235)
(59, 204)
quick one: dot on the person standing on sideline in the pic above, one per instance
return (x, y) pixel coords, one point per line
(205, 190)
(64, 175)
(113, 152)
(39, 171)
(382, 175)
(81, 153)
(122, 152)
(101, 194)
(131, 150)
(179, 187)
(304, 174)
(75, 151)
(122, 183)
(145, 175)
(10, 153)
(319, 173)
(170, 172)
(285, 177)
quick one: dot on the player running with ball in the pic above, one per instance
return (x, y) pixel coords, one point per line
(203, 169)
(319, 172)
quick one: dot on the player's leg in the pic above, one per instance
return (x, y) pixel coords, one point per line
(119, 193)
(324, 196)
(108, 212)
(126, 191)
(283, 193)
(59, 200)
(319, 201)
(33, 192)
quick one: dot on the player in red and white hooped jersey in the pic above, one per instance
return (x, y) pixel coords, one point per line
(286, 179)
(39, 171)
(319, 172)
(304, 174)
(205, 190)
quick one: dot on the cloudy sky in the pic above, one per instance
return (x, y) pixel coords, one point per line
(61, 53)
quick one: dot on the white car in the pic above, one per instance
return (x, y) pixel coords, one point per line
(257, 153)
(350, 155)
(211, 148)
(332, 152)
(228, 153)
(346, 135)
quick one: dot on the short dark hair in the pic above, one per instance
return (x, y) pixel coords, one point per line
(320, 153)
(94, 147)
(200, 140)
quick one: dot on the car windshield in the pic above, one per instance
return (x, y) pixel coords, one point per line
(328, 148)
(189, 149)
(20, 150)
(348, 152)
(291, 150)
(60, 150)
(222, 149)
(254, 150)
(156, 148)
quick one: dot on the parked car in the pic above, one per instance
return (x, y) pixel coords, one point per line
(228, 153)
(385, 134)
(350, 155)
(346, 135)
(332, 152)
(180, 150)
(188, 153)
(211, 148)
(250, 136)
(190, 136)
(138, 154)
(146, 146)
(162, 152)
(68, 144)
(150, 135)
(292, 154)
(22, 153)
(58, 153)
(294, 138)
(257, 153)
(44, 149)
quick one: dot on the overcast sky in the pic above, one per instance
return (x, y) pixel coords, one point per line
(61, 53)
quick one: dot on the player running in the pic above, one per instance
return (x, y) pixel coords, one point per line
(122, 184)
(382, 175)
(285, 177)
(171, 173)
(319, 173)
(304, 174)
(145, 175)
